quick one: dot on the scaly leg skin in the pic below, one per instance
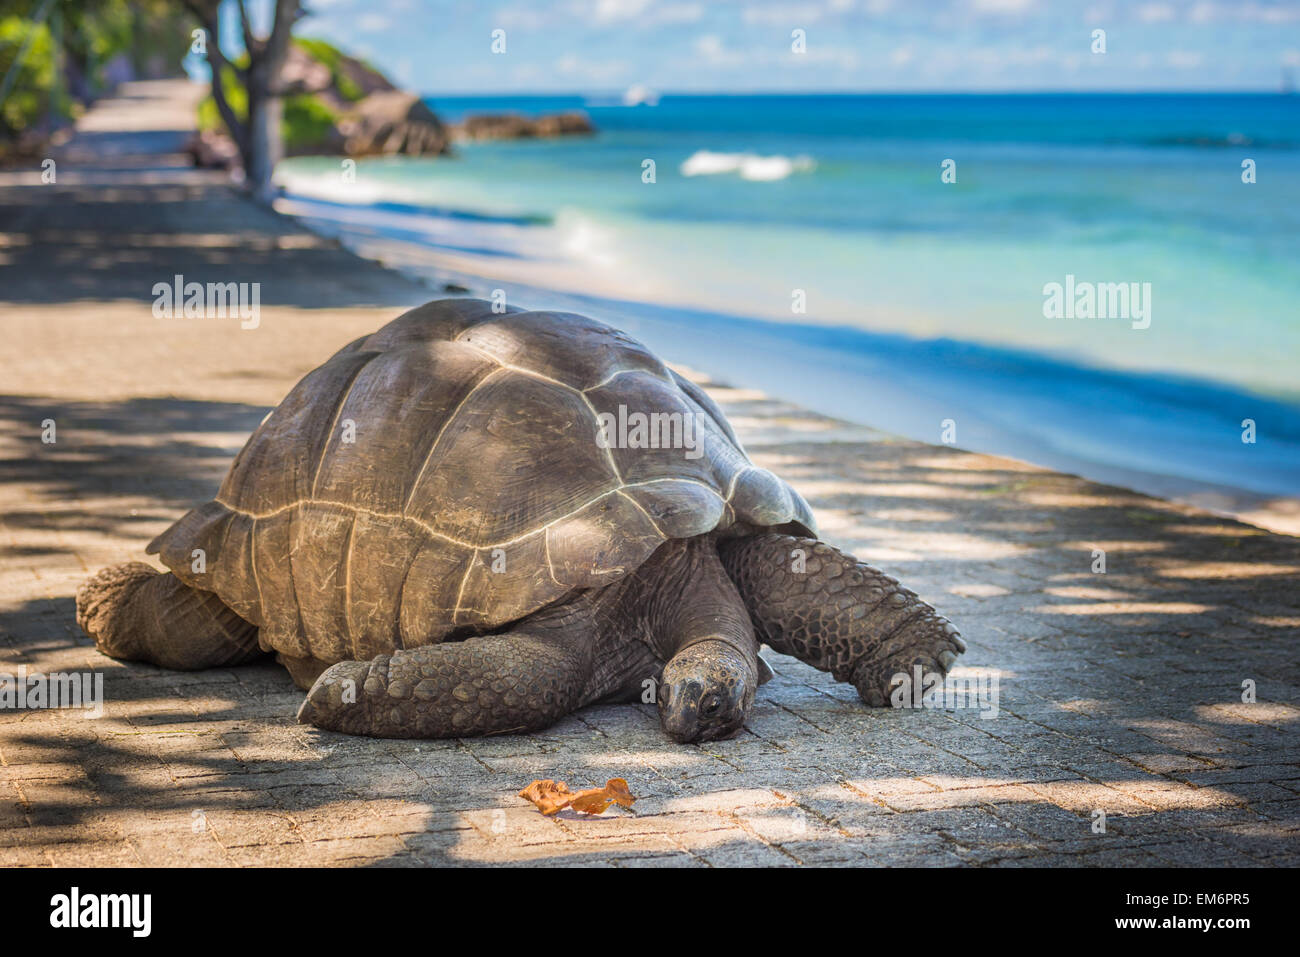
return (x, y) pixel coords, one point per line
(136, 613)
(838, 614)
(522, 680)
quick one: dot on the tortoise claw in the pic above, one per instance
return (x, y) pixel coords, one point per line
(336, 696)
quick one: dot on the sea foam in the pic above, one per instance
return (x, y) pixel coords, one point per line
(749, 165)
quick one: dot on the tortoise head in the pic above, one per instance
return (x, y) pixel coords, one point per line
(706, 692)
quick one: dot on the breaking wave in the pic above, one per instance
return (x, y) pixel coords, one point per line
(748, 165)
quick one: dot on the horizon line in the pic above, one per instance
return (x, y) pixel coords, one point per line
(618, 93)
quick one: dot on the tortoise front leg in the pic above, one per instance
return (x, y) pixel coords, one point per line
(522, 680)
(812, 601)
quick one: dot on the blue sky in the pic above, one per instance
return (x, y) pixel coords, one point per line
(726, 45)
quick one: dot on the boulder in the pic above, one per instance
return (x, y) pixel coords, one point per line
(334, 105)
(512, 126)
(393, 121)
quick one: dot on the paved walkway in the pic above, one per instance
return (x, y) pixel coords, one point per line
(1120, 693)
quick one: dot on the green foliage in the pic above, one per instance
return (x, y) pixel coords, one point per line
(331, 57)
(72, 45)
(307, 122)
(31, 94)
(94, 31)
(236, 96)
(160, 35)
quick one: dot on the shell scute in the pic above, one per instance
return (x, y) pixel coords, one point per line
(521, 453)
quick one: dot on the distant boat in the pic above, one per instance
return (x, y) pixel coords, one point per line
(639, 95)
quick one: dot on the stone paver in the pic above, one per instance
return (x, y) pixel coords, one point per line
(1119, 693)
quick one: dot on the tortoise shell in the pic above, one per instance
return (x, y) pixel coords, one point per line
(443, 476)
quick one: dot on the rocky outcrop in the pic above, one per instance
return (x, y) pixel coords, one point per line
(393, 122)
(316, 68)
(368, 114)
(335, 105)
(512, 126)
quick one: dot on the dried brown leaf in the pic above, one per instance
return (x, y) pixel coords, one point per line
(549, 796)
(554, 796)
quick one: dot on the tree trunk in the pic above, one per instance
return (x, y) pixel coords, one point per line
(265, 102)
(259, 136)
(265, 146)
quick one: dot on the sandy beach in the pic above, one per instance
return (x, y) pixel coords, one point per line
(1121, 692)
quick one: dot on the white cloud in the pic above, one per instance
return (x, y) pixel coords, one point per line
(1002, 7)
(677, 13)
(641, 12)
(710, 47)
(1155, 13)
(637, 14)
(986, 62)
(611, 11)
(791, 14)
(1247, 12)
(713, 51)
(523, 17)
(809, 11)
(373, 23)
(1266, 14)
(1184, 59)
(589, 70)
(998, 58)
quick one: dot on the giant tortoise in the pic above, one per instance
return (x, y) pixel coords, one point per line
(475, 522)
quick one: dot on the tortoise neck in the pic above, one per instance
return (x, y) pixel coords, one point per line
(681, 596)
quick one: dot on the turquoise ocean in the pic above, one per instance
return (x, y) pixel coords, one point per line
(811, 247)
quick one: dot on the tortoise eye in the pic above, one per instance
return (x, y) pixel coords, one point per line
(710, 705)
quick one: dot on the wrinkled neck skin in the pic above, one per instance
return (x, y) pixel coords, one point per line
(682, 596)
(679, 609)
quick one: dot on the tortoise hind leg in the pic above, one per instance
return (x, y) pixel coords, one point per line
(135, 613)
(303, 671)
(522, 680)
(812, 601)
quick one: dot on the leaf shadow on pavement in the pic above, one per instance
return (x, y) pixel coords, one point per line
(1120, 692)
